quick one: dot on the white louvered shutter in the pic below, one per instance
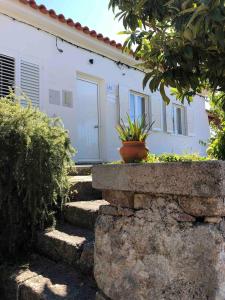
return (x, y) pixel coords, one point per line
(190, 120)
(30, 82)
(156, 109)
(169, 118)
(124, 105)
(7, 74)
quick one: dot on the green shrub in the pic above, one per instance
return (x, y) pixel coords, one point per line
(170, 157)
(217, 144)
(34, 154)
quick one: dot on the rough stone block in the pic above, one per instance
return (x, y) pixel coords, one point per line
(202, 179)
(108, 210)
(116, 211)
(150, 256)
(213, 220)
(81, 189)
(203, 206)
(82, 213)
(64, 244)
(86, 262)
(119, 198)
(182, 217)
(100, 296)
(170, 244)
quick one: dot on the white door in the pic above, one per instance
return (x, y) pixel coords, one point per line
(87, 121)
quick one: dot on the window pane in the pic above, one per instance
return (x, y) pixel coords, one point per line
(179, 121)
(140, 108)
(132, 107)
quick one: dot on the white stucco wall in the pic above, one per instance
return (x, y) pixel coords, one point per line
(59, 71)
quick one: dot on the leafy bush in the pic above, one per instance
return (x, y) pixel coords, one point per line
(217, 144)
(34, 154)
(134, 131)
(170, 157)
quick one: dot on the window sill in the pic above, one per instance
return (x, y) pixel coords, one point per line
(179, 135)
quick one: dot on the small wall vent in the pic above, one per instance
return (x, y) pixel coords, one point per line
(67, 98)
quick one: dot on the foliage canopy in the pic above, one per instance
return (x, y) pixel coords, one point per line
(181, 43)
(217, 144)
(34, 154)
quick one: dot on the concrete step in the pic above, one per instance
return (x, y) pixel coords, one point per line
(83, 213)
(43, 279)
(81, 189)
(70, 245)
(80, 170)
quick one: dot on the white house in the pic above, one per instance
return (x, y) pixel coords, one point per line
(74, 73)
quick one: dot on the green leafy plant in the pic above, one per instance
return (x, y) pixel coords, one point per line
(180, 43)
(171, 157)
(217, 143)
(35, 152)
(134, 131)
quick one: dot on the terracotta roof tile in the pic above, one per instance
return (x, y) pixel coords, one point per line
(42, 8)
(93, 34)
(52, 14)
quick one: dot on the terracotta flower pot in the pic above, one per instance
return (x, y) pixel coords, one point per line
(133, 151)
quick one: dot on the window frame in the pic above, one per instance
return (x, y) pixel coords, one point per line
(146, 103)
(183, 120)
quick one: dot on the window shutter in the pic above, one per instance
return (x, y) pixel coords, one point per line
(7, 74)
(190, 120)
(30, 82)
(156, 105)
(124, 105)
(148, 109)
(169, 118)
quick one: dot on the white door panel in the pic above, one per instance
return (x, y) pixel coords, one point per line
(87, 140)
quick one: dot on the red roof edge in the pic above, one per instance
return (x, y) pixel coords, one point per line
(69, 22)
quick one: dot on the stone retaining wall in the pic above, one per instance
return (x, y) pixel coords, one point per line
(163, 235)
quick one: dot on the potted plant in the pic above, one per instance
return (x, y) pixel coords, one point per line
(133, 136)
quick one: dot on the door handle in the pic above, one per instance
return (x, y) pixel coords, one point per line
(96, 126)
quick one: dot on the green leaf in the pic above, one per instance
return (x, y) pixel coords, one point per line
(166, 99)
(188, 52)
(146, 79)
(188, 34)
(198, 11)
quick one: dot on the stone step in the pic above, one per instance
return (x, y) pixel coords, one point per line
(81, 189)
(46, 280)
(80, 170)
(83, 213)
(70, 245)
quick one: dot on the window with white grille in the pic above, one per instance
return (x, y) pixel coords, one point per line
(30, 82)
(7, 74)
